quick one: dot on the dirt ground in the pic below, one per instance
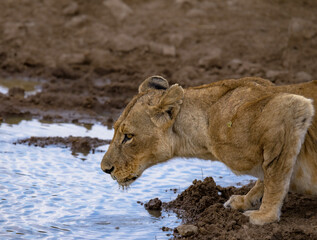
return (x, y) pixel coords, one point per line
(88, 58)
(201, 205)
(76, 144)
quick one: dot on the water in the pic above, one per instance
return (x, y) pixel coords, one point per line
(48, 193)
(31, 86)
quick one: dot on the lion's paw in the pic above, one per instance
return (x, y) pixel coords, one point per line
(238, 202)
(258, 217)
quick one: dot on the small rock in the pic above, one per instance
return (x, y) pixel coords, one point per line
(162, 49)
(185, 3)
(240, 67)
(300, 28)
(71, 9)
(125, 43)
(276, 75)
(89, 102)
(213, 59)
(166, 229)
(16, 92)
(303, 76)
(181, 1)
(169, 50)
(187, 230)
(235, 64)
(118, 8)
(176, 39)
(154, 204)
(77, 21)
(251, 69)
(75, 58)
(195, 13)
(139, 202)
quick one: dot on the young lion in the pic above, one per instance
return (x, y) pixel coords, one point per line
(249, 124)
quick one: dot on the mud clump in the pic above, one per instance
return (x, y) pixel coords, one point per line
(154, 204)
(76, 144)
(187, 230)
(201, 206)
(16, 92)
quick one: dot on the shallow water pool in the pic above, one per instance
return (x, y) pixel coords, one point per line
(48, 193)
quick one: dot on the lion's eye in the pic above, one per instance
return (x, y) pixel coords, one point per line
(127, 137)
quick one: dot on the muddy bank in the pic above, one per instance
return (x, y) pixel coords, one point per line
(76, 144)
(201, 205)
(90, 57)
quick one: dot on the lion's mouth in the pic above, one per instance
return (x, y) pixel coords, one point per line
(127, 181)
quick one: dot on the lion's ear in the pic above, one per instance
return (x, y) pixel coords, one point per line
(154, 82)
(165, 112)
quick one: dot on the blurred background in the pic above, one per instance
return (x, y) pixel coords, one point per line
(85, 59)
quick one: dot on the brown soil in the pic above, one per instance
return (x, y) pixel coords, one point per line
(89, 57)
(202, 205)
(76, 144)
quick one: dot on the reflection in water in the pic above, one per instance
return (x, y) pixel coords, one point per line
(13, 120)
(46, 193)
(30, 86)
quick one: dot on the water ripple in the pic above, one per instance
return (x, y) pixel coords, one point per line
(47, 193)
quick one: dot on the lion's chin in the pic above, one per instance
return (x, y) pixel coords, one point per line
(126, 182)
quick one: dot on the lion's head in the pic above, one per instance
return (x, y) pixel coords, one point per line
(142, 133)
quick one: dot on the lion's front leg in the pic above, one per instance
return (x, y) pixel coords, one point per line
(285, 121)
(270, 209)
(248, 201)
(277, 167)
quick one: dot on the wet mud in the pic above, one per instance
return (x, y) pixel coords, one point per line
(88, 58)
(76, 144)
(201, 205)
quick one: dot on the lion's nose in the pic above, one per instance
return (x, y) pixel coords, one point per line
(108, 170)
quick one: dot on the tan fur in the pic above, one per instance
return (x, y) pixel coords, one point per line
(249, 124)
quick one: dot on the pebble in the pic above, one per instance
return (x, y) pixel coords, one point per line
(118, 8)
(300, 28)
(71, 9)
(163, 49)
(274, 75)
(235, 64)
(187, 230)
(244, 67)
(176, 39)
(196, 13)
(77, 21)
(75, 58)
(125, 43)
(303, 76)
(213, 59)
